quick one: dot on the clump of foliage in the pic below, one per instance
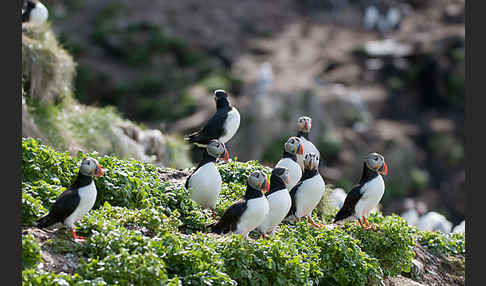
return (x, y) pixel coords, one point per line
(144, 230)
(31, 254)
(443, 244)
(392, 243)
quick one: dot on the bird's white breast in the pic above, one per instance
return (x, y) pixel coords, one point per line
(254, 214)
(295, 172)
(372, 193)
(308, 195)
(231, 125)
(87, 196)
(205, 185)
(279, 204)
(39, 14)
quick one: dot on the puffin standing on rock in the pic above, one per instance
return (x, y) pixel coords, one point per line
(205, 181)
(222, 126)
(248, 213)
(308, 192)
(279, 200)
(304, 124)
(292, 148)
(34, 12)
(76, 201)
(367, 193)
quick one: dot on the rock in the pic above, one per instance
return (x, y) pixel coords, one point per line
(387, 48)
(401, 281)
(411, 216)
(433, 221)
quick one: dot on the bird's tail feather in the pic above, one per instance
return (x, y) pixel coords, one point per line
(342, 214)
(191, 137)
(45, 221)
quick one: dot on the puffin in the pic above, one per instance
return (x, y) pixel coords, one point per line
(222, 126)
(205, 181)
(308, 192)
(304, 124)
(367, 193)
(75, 202)
(248, 213)
(292, 148)
(34, 12)
(279, 201)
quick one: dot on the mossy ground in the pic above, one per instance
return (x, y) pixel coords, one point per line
(145, 229)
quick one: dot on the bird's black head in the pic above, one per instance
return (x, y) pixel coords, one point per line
(90, 167)
(219, 93)
(376, 162)
(281, 173)
(221, 98)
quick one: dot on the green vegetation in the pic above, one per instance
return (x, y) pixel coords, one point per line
(31, 254)
(144, 230)
(444, 244)
(48, 71)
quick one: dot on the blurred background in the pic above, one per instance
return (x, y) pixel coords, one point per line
(381, 76)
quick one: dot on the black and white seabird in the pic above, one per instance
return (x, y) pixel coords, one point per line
(279, 200)
(205, 181)
(292, 148)
(248, 213)
(304, 124)
(222, 126)
(76, 201)
(34, 12)
(367, 193)
(308, 192)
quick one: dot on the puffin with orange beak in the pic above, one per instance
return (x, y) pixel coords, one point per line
(292, 148)
(74, 203)
(308, 192)
(279, 200)
(367, 193)
(304, 124)
(205, 181)
(221, 126)
(248, 213)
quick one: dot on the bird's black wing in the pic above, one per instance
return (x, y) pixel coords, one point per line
(293, 192)
(230, 218)
(213, 129)
(350, 202)
(64, 206)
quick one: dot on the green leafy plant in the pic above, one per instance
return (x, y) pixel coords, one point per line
(391, 243)
(31, 254)
(144, 230)
(443, 244)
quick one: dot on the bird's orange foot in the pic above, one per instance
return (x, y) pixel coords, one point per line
(318, 225)
(76, 237)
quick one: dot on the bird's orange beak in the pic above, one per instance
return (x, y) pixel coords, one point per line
(267, 185)
(384, 169)
(300, 150)
(99, 173)
(306, 125)
(226, 154)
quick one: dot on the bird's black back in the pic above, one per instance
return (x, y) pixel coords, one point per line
(355, 195)
(206, 159)
(214, 128)
(232, 215)
(26, 15)
(66, 203)
(293, 192)
(229, 220)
